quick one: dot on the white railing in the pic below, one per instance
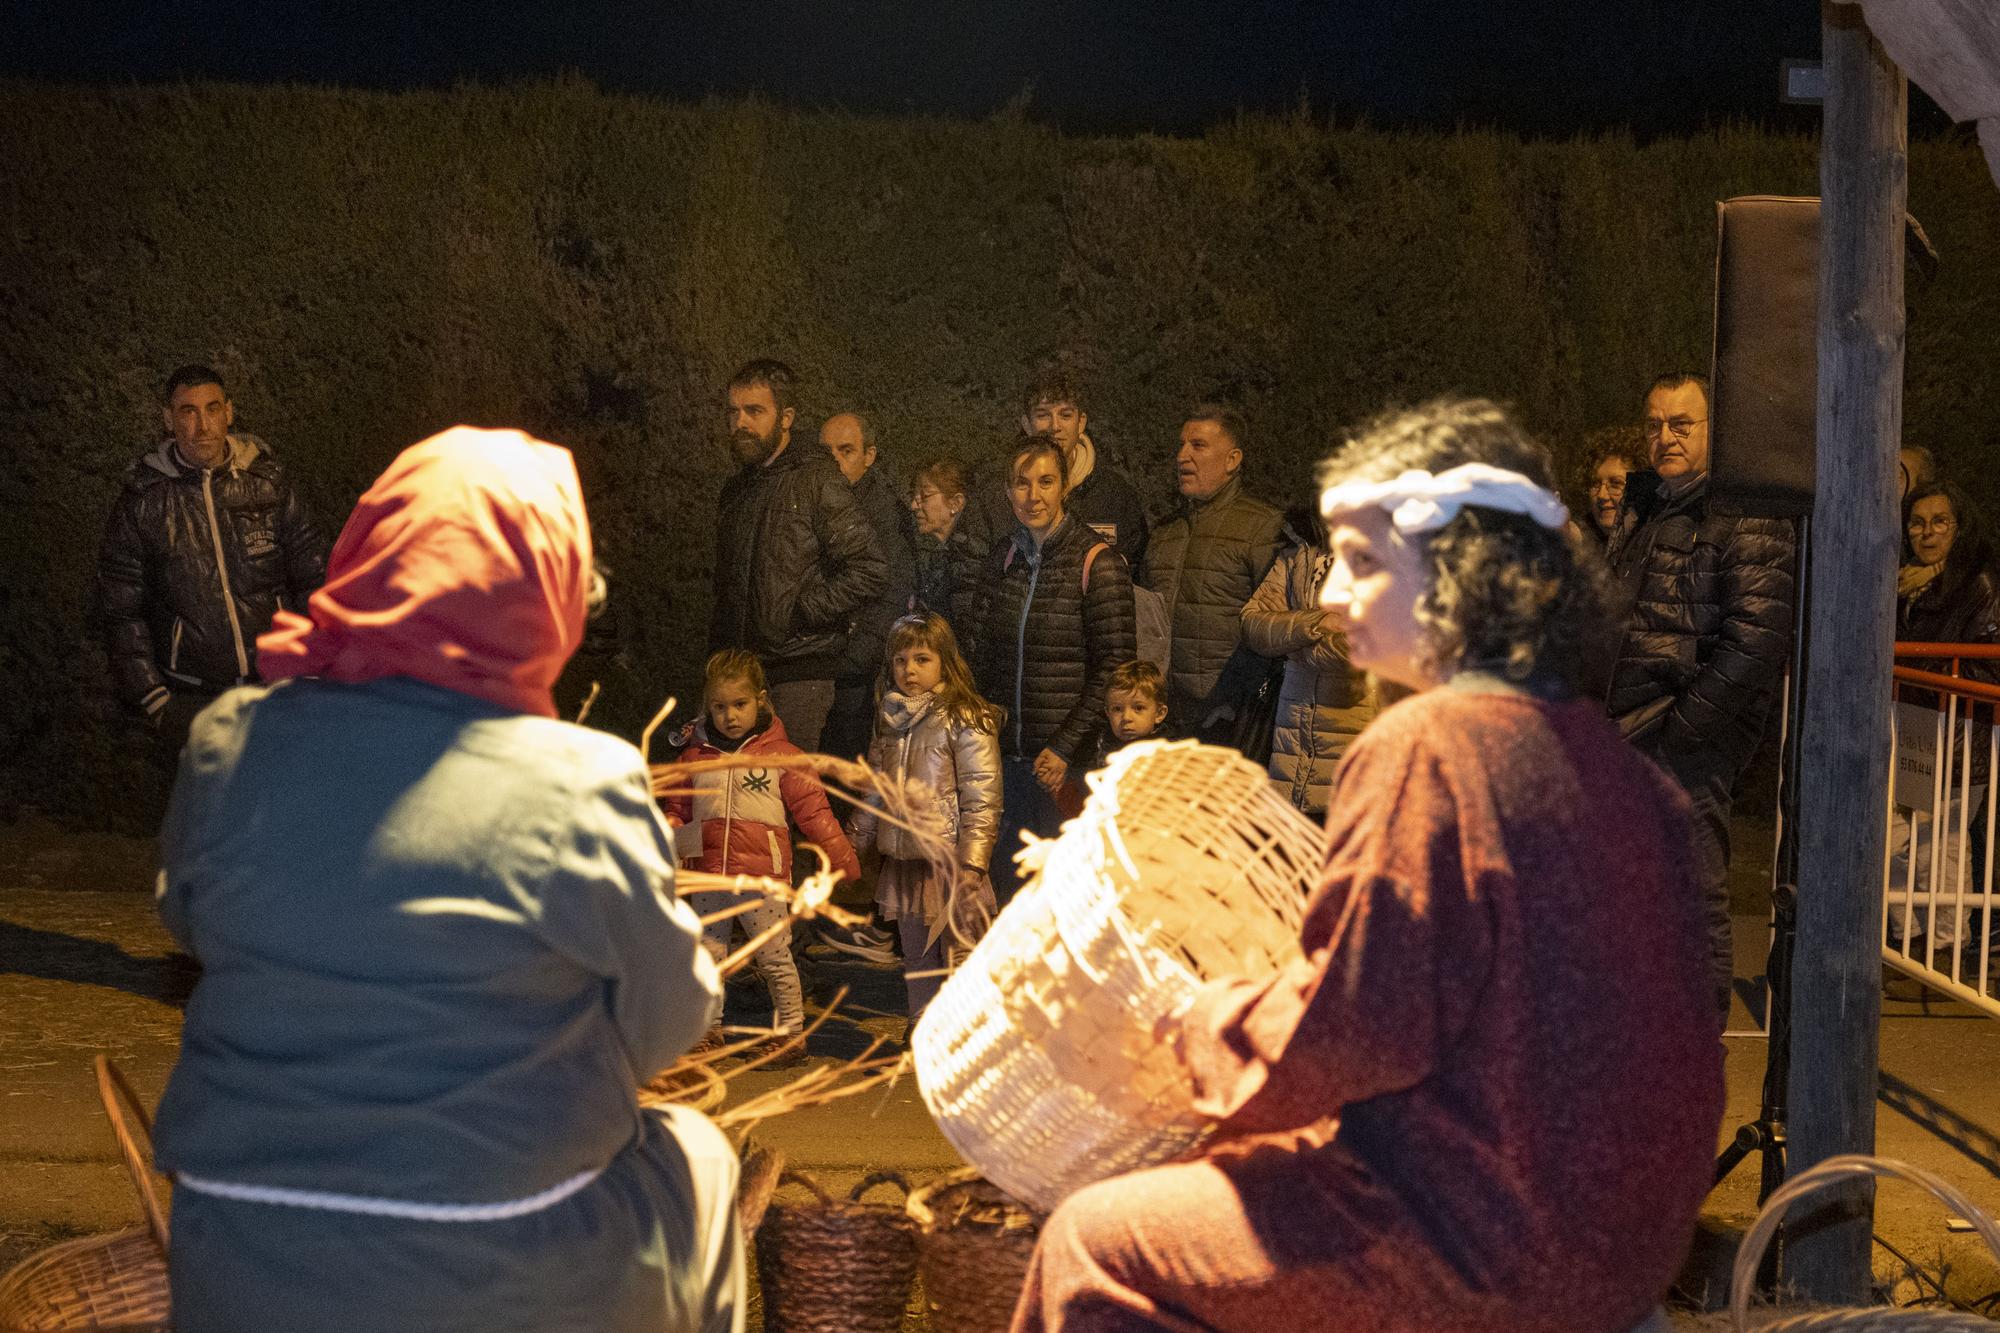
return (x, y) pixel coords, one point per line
(1938, 891)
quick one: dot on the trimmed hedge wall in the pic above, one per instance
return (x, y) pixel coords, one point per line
(367, 268)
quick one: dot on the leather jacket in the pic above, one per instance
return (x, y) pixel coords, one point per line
(795, 563)
(194, 564)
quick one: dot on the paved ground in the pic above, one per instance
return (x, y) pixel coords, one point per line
(85, 968)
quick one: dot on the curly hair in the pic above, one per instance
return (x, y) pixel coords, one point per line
(1502, 593)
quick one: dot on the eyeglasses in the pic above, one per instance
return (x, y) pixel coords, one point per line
(1609, 485)
(1682, 427)
(1942, 523)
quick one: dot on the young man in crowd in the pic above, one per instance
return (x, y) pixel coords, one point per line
(1100, 492)
(206, 542)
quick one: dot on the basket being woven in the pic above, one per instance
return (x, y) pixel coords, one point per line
(1037, 1058)
(835, 1265)
(973, 1247)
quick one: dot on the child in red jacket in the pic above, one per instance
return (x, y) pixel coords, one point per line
(746, 817)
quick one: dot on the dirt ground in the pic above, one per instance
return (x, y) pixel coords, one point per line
(85, 967)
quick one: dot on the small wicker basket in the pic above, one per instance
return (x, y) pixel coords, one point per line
(835, 1265)
(115, 1283)
(974, 1242)
(1037, 1057)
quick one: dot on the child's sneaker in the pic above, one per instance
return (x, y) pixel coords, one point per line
(864, 942)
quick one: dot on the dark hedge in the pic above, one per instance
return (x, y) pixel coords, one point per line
(366, 268)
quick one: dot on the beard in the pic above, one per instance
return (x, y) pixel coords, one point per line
(750, 447)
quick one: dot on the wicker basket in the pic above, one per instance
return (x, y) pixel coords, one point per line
(100, 1283)
(974, 1242)
(1037, 1057)
(835, 1265)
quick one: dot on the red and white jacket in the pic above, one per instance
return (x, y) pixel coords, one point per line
(747, 814)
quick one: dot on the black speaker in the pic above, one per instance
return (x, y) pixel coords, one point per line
(1765, 378)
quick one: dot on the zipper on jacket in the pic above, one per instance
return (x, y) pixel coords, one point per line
(1021, 655)
(222, 573)
(174, 651)
(728, 812)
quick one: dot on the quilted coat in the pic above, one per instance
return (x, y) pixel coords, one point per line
(747, 814)
(1323, 702)
(1206, 562)
(1709, 628)
(957, 763)
(795, 564)
(1048, 646)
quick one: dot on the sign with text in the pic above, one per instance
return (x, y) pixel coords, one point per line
(1917, 732)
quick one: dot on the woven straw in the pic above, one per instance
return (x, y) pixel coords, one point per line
(1037, 1058)
(973, 1247)
(835, 1265)
(689, 1083)
(101, 1283)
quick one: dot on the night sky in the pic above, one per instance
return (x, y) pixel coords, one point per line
(1166, 65)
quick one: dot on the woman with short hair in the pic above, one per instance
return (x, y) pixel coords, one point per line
(1487, 1097)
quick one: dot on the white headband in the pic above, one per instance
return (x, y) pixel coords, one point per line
(1423, 502)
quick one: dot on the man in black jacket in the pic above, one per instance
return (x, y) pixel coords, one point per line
(850, 439)
(795, 561)
(1706, 636)
(1100, 495)
(206, 541)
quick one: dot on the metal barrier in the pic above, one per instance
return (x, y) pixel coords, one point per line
(1938, 891)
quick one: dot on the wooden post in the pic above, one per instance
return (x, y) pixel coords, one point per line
(1837, 974)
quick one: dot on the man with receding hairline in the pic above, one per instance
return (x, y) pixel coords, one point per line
(851, 440)
(1706, 636)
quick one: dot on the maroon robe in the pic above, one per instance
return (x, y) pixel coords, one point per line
(1504, 999)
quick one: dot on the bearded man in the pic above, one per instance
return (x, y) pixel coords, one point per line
(795, 559)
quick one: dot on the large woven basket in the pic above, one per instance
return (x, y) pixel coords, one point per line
(835, 1265)
(115, 1283)
(973, 1247)
(1037, 1058)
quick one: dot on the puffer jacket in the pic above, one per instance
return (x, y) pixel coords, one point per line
(194, 564)
(875, 495)
(1323, 702)
(795, 562)
(956, 762)
(1048, 645)
(744, 812)
(1708, 630)
(949, 583)
(1206, 562)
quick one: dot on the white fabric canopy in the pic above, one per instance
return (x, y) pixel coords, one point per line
(1950, 49)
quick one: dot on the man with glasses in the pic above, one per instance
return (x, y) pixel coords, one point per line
(1706, 631)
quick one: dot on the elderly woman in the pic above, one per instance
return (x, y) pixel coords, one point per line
(1487, 1097)
(441, 949)
(948, 566)
(1945, 593)
(1058, 617)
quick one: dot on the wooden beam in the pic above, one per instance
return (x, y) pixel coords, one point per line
(1837, 974)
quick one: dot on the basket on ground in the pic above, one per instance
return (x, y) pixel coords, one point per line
(1037, 1058)
(834, 1265)
(117, 1281)
(973, 1247)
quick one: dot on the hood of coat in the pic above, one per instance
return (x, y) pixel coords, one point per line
(240, 453)
(466, 565)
